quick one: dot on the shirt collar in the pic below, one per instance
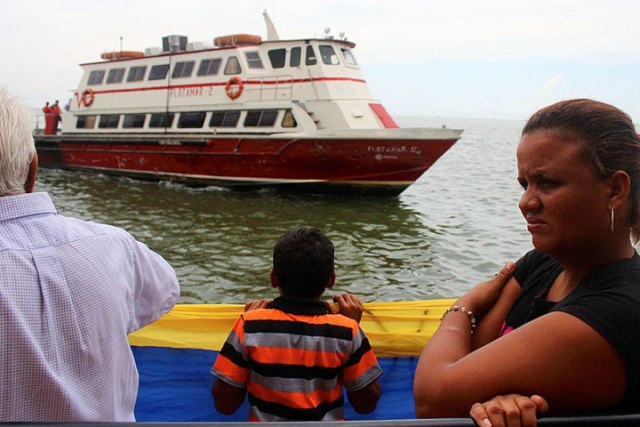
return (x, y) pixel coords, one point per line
(299, 305)
(27, 204)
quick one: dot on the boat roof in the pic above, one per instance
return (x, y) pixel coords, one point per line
(345, 42)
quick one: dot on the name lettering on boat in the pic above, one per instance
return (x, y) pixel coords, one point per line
(391, 152)
(183, 92)
(390, 149)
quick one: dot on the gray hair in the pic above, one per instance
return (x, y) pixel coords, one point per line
(16, 144)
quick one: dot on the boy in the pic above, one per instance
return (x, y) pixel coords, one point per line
(294, 354)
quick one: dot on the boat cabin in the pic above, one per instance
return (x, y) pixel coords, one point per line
(237, 84)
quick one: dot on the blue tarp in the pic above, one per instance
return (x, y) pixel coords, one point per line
(175, 385)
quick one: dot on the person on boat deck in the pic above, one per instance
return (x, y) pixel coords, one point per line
(70, 292)
(294, 354)
(557, 332)
(57, 115)
(48, 119)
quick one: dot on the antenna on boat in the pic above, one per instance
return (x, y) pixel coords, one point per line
(272, 34)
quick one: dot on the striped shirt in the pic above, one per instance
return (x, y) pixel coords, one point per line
(293, 358)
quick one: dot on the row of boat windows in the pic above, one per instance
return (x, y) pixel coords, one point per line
(211, 66)
(187, 120)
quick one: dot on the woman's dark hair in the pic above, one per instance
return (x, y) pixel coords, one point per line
(608, 136)
(303, 262)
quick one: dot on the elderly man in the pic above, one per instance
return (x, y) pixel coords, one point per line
(70, 292)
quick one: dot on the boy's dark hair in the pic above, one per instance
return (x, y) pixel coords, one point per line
(303, 262)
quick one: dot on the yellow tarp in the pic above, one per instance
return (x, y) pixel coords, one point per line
(393, 328)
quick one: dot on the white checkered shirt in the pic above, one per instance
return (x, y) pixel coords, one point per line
(70, 292)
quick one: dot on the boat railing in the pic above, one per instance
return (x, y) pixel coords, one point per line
(597, 420)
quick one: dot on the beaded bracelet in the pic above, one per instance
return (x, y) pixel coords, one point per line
(462, 310)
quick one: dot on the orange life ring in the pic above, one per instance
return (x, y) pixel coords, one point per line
(234, 87)
(87, 97)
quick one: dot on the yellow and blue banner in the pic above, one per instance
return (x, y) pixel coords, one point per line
(175, 353)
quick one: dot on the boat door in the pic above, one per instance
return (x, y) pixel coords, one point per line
(274, 88)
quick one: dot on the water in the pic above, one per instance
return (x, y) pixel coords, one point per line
(452, 228)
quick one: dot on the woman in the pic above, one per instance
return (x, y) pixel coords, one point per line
(559, 329)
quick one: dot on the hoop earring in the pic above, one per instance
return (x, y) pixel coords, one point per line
(611, 221)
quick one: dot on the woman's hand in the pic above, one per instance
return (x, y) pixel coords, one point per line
(484, 295)
(513, 410)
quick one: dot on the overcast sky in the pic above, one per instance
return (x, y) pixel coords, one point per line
(449, 58)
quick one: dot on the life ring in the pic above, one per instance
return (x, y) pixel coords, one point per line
(234, 87)
(87, 97)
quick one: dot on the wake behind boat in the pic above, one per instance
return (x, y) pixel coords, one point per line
(240, 112)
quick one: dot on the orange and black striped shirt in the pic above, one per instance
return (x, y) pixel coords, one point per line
(293, 358)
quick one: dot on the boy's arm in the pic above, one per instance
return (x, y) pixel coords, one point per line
(227, 398)
(365, 399)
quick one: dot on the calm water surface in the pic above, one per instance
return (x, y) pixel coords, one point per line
(452, 228)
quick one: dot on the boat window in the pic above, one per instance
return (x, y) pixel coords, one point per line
(193, 119)
(253, 59)
(134, 120)
(136, 74)
(159, 72)
(224, 119)
(277, 57)
(295, 56)
(311, 56)
(328, 55)
(232, 66)
(260, 118)
(86, 122)
(161, 120)
(115, 75)
(288, 121)
(183, 69)
(348, 56)
(96, 77)
(209, 67)
(109, 121)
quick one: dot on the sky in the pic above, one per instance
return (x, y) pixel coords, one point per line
(497, 59)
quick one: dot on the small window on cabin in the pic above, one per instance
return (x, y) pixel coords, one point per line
(183, 69)
(261, 118)
(134, 120)
(295, 57)
(232, 66)
(328, 55)
(311, 56)
(109, 121)
(348, 56)
(209, 67)
(116, 75)
(159, 72)
(224, 119)
(191, 120)
(288, 121)
(161, 120)
(277, 57)
(96, 77)
(253, 59)
(136, 74)
(86, 122)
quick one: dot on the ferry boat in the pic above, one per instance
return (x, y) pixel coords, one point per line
(241, 112)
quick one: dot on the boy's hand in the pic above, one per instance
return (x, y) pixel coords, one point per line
(256, 304)
(349, 305)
